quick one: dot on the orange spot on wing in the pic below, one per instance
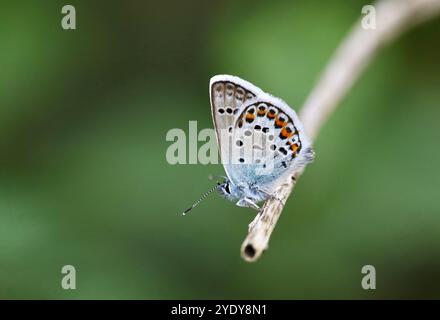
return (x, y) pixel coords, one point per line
(294, 147)
(280, 123)
(271, 115)
(285, 133)
(250, 117)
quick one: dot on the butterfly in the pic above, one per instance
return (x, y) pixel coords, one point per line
(261, 140)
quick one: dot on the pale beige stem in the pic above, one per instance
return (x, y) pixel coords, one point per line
(393, 17)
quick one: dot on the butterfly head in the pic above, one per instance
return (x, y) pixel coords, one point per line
(229, 191)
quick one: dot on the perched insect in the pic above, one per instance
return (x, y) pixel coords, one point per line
(261, 140)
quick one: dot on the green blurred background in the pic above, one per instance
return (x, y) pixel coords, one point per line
(84, 179)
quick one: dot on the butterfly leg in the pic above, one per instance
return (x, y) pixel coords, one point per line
(246, 202)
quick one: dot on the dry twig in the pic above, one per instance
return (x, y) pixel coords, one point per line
(393, 17)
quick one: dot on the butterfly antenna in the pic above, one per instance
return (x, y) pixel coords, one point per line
(201, 199)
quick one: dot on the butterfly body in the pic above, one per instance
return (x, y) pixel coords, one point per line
(244, 195)
(261, 140)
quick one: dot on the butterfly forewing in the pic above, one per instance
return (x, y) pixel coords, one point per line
(228, 94)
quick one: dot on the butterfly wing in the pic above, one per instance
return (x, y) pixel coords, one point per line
(269, 144)
(227, 95)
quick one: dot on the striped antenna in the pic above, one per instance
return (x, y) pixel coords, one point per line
(201, 199)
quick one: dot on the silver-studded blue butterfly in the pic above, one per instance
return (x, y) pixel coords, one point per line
(262, 142)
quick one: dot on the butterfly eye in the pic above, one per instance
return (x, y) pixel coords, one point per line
(227, 188)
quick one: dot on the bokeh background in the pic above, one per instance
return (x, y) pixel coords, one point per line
(84, 179)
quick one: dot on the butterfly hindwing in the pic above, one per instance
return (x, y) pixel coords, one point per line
(269, 143)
